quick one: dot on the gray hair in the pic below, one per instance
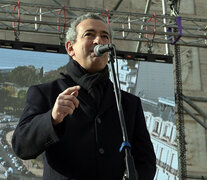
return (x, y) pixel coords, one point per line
(71, 34)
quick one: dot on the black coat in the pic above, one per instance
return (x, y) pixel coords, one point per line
(85, 146)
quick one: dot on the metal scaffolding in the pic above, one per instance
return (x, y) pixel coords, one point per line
(54, 19)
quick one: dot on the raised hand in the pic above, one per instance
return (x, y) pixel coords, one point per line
(65, 104)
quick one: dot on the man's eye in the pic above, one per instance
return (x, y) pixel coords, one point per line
(88, 34)
(105, 36)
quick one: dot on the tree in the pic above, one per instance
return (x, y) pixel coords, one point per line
(54, 74)
(41, 73)
(24, 75)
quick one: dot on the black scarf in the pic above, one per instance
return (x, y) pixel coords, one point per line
(93, 83)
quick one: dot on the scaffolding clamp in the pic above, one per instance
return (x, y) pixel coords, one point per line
(179, 25)
(180, 33)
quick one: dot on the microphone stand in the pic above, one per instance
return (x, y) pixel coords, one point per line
(130, 172)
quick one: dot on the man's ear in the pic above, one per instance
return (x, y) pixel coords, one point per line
(69, 48)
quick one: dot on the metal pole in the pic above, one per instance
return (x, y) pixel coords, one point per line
(196, 177)
(167, 46)
(194, 106)
(117, 5)
(147, 7)
(200, 99)
(195, 118)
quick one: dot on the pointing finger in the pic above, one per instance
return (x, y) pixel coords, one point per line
(74, 93)
(70, 90)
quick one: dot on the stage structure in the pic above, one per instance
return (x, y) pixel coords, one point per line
(21, 17)
(25, 25)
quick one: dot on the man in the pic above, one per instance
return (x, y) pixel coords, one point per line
(74, 121)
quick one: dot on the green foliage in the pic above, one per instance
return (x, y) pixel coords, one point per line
(41, 73)
(52, 75)
(12, 96)
(21, 94)
(24, 75)
(10, 104)
(3, 78)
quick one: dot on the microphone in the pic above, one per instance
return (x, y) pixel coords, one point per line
(100, 50)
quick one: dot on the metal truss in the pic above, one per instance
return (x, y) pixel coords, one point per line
(189, 101)
(135, 56)
(55, 19)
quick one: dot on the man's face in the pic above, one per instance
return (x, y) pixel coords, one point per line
(90, 32)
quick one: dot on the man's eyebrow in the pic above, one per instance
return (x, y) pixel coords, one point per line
(105, 32)
(92, 30)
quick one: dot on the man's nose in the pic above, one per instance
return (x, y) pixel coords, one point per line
(98, 40)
